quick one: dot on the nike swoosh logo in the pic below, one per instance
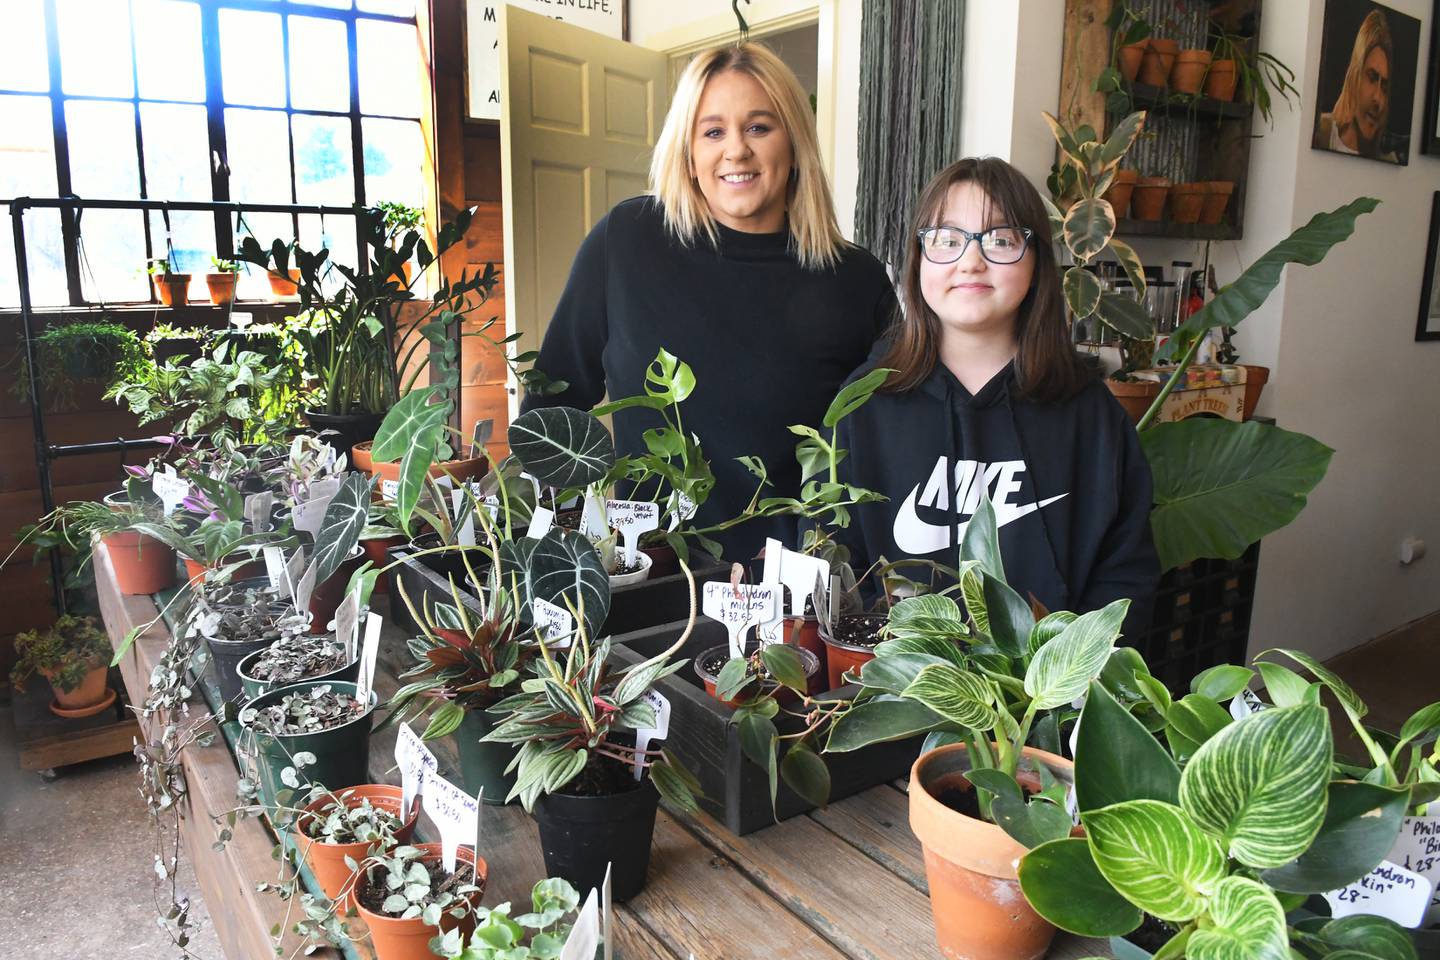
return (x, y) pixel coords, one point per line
(917, 538)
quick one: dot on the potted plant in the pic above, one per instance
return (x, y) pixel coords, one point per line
(408, 900)
(338, 829)
(295, 658)
(171, 289)
(777, 670)
(400, 220)
(850, 643)
(1257, 78)
(1186, 200)
(321, 722)
(538, 935)
(83, 351)
(221, 281)
(238, 619)
(74, 655)
(1188, 74)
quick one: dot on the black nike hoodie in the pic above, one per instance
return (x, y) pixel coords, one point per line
(1070, 486)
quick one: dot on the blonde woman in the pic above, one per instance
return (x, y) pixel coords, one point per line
(1361, 115)
(735, 264)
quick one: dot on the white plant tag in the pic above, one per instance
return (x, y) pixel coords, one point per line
(170, 488)
(415, 761)
(593, 524)
(607, 912)
(257, 510)
(1417, 848)
(1074, 736)
(275, 570)
(1388, 891)
(540, 522)
(454, 812)
(389, 490)
(643, 735)
(681, 508)
(366, 678)
(466, 535)
(534, 485)
(295, 575)
(309, 516)
(799, 573)
(739, 607)
(554, 622)
(633, 518)
(585, 935)
(327, 488)
(1245, 703)
(347, 622)
(491, 505)
(1072, 806)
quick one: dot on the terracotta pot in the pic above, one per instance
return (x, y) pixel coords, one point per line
(1221, 79)
(142, 564)
(410, 939)
(980, 911)
(1134, 395)
(1188, 73)
(1118, 196)
(841, 657)
(1186, 202)
(195, 571)
(173, 289)
(327, 860)
(1159, 58)
(375, 551)
(92, 696)
(465, 468)
(360, 458)
(804, 632)
(1147, 201)
(1131, 56)
(663, 561)
(222, 288)
(783, 695)
(1256, 377)
(288, 286)
(1217, 199)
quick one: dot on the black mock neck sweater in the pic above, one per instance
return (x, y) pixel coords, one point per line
(770, 343)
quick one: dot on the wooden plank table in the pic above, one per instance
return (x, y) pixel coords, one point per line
(843, 883)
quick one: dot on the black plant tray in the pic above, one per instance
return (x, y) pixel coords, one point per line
(701, 736)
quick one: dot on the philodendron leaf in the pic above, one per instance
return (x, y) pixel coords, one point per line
(1050, 627)
(895, 672)
(957, 695)
(1221, 682)
(1064, 886)
(1221, 486)
(1259, 785)
(565, 567)
(1063, 668)
(1117, 759)
(880, 720)
(805, 772)
(981, 542)
(340, 530)
(1247, 923)
(1375, 938)
(1348, 698)
(1033, 823)
(1361, 822)
(783, 662)
(562, 447)
(1156, 857)
(928, 615)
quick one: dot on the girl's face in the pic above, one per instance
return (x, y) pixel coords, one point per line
(973, 295)
(741, 154)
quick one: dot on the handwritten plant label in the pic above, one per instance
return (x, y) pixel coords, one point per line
(584, 937)
(804, 576)
(257, 510)
(540, 522)
(553, 621)
(1417, 848)
(643, 735)
(366, 678)
(389, 490)
(1246, 703)
(275, 570)
(455, 812)
(170, 488)
(347, 623)
(739, 607)
(1388, 891)
(415, 762)
(681, 508)
(310, 516)
(633, 518)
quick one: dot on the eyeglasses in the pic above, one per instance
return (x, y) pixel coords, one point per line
(999, 245)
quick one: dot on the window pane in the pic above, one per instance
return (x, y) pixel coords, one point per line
(265, 228)
(324, 168)
(192, 242)
(27, 148)
(319, 64)
(22, 48)
(46, 259)
(177, 151)
(252, 61)
(103, 162)
(167, 50)
(337, 4)
(112, 256)
(336, 234)
(259, 146)
(398, 8)
(394, 162)
(389, 55)
(95, 48)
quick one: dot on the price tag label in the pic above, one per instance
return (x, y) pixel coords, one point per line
(540, 522)
(1388, 891)
(1417, 848)
(275, 570)
(681, 508)
(257, 510)
(584, 937)
(170, 488)
(554, 622)
(455, 812)
(347, 622)
(804, 576)
(415, 762)
(1246, 703)
(739, 607)
(389, 490)
(633, 518)
(466, 534)
(366, 678)
(607, 912)
(644, 735)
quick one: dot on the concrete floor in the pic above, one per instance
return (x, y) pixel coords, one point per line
(78, 864)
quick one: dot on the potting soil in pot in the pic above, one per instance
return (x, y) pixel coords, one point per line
(622, 568)
(859, 629)
(307, 711)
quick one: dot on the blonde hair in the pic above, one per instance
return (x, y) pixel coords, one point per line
(1374, 32)
(810, 208)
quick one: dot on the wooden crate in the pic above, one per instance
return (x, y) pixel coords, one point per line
(736, 790)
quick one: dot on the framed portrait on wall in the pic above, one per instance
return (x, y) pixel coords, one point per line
(1369, 56)
(1429, 326)
(1430, 122)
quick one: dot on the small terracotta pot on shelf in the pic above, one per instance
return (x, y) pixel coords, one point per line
(1134, 395)
(466, 468)
(173, 289)
(1147, 201)
(287, 286)
(1220, 80)
(142, 563)
(1130, 57)
(89, 698)
(1188, 73)
(222, 288)
(1159, 58)
(1256, 377)
(1186, 202)
(396, 939)
(1217, 200)
(1121, 189)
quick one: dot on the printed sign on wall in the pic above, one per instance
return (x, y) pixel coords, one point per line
(482, 28)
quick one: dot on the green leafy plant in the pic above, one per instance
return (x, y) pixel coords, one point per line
(308, 711)
(218, 265)
(160, 267)
(70, 526)
(69, 354)
(498, 936)
(63, 653)
(1260, 77)
(404, 885)
(399, 219)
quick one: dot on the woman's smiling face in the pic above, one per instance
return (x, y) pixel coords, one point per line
(740, 154)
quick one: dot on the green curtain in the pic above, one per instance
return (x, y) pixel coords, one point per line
(909, 113)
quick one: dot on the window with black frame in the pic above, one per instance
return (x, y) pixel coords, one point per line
(250, 101)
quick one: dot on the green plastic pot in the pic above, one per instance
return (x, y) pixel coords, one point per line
(342, 754)
(483, 764)
(258, 688)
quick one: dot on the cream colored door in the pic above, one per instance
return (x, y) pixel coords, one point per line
(579, 116)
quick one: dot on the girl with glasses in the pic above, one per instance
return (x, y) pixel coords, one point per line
(988, 397)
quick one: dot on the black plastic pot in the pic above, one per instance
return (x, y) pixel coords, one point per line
(342, 754)
(483, 764)
(225, 657)
(348, 428)
(580, 836)
(452, 562)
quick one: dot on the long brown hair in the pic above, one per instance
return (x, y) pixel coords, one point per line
(1046, 367)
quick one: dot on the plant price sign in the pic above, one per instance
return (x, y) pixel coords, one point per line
(482, 29)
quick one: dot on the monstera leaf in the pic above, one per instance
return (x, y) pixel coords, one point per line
(565, 570)
(562, 447)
